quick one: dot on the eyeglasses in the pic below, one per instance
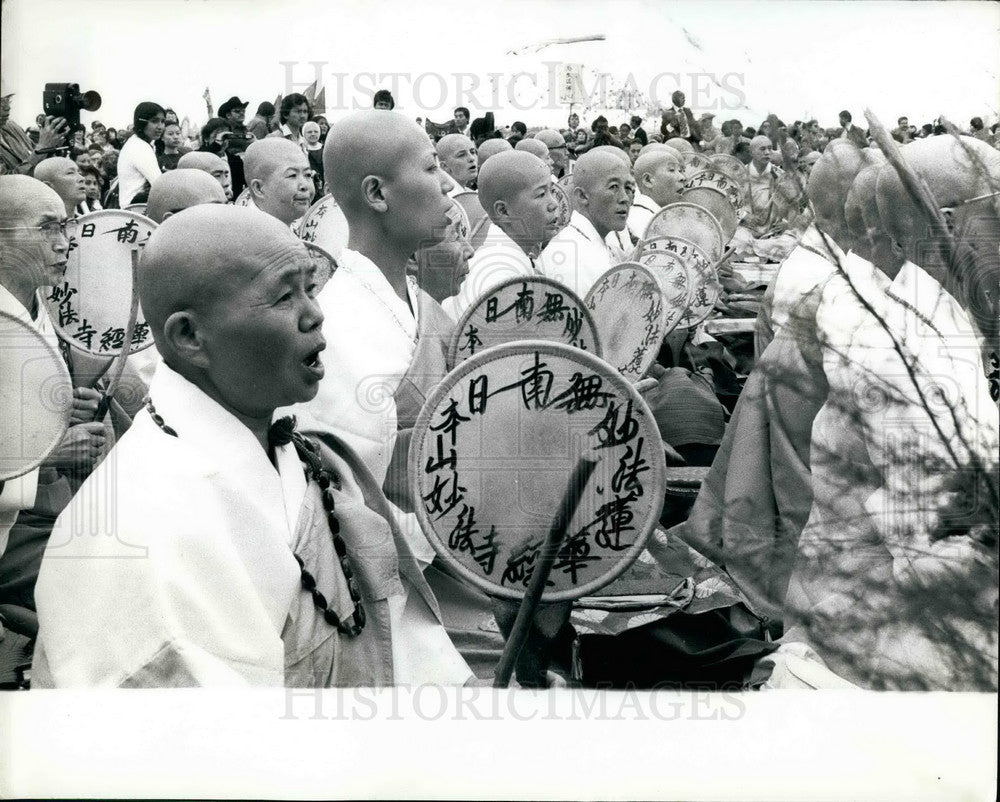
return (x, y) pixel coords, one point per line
(52, 228)
(558, 147)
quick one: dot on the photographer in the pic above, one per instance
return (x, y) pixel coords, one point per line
(17, 152)
(234, 112)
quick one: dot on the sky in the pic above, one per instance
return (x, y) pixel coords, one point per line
(743, 59)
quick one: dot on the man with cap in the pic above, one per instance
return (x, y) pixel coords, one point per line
(215, 166)
(578, 255)
(234, 112)
(678, 120)
(515, 189)
(269, 559)
(457, 155)
(64, 176)
(558, 151)
(659, 176)
(17, 152)
(896, 582)
(280, 178)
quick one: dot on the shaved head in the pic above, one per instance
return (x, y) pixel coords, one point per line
(535, 146)
(659, 175)
(515, 189)
(27, 260)
(21, 198)
(458, 158)
(491, 147)
(829, 182)
(279, 177)
(181, 189)
(599, 189)
(679, 144)
(215, 166)
(383, 171)
(64, 176)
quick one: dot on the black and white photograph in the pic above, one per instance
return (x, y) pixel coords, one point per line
(567, 399)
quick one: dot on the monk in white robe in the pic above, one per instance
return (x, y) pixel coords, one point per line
(659, 176)
(279, 178)
(895, 583)
(197, 575)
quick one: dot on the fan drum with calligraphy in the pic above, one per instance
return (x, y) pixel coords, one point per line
(491, 455)
(524, 308)
(36, 397)
(90, 306)
(675, 280)
(243, 199)
(690, 221)
(630, 312)
(325, 224)
(705, 285)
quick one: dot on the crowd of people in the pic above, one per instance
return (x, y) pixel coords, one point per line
(846, 428)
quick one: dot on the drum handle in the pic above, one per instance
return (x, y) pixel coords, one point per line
(119, 365)
(547, 556)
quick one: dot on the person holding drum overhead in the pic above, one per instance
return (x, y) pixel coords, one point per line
(279, 178)
(578, 255)
(515, 189)
(266, 559)
(34, 245)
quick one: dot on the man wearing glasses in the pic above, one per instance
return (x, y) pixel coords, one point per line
(34, 245)
(557, 150)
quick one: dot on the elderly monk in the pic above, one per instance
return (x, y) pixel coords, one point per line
(578, 255)
(34, 244)
(815, 257)
(896, 581)
(758, 494)
(457, 154)
(279, 178)
(766, 207)
(229, 516)
(209, 163)
(558, 151)
(64, 176)
(516, 191)
(537, 148)
(659, 176)
(491, 147)
(388, 338)
(180, 189)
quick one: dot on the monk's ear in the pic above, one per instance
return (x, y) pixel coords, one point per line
(165, 216)
(183, 337)
(373, 192)
(580, 195)
(255, 187)
(500, 208)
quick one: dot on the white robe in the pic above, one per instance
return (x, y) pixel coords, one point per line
(498, 259)
(643, 209)
(577, 256)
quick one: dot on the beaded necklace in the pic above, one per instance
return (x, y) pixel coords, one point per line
(281, 433)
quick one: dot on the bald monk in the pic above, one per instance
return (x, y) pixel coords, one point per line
(491, 147)
(180, 189)
(215, 166)
(579, 254)
(537, 148)
(659, 176)
(558, 151)
(620, 242)
(680, 145)
(388, 338)
(64, 176)
(457, 154)
(224, 509)
(279, 178)
(757, 497)
(515, 189)
(895, 584)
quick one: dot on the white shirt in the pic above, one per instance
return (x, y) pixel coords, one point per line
(643, 209)
(576, 256)
(136, 165)
(498, 259)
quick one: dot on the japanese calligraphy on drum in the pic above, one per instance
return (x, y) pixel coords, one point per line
(325, 225)
(90, 306)
(528, 308)
(493, 450)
